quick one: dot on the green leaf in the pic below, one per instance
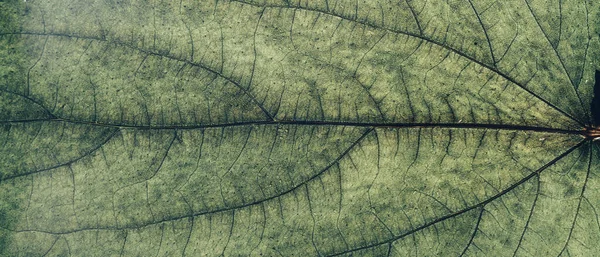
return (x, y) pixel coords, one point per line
(421, 128)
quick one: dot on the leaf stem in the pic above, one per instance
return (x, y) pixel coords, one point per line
(591, 133)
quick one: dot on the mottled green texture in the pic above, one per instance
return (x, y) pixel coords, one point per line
(369, 128)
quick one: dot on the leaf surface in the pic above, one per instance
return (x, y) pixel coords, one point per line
(372, 128)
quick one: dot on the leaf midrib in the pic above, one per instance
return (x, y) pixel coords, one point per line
(372, 126)
(390, 125)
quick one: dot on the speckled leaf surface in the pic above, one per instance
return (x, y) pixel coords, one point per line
(299, 128)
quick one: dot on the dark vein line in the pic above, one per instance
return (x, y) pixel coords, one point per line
(242, 150)
(479, 218)
(191, 40)
(51, 246)
(34, 101)
(160, 164)
(340, 205)
(124, 242)
(554, 48)
(162, 233)
(153, 53)
(230, 232)
(581, 197)
(314, 222)
(108, 138)
(254, 48)
(262, 230)
(414, 14)
(28, 91)
(481, 204)
(371, 97)
(487, 37)
(225, 209)
(366, 53)
(367, 23)
(222, 63)
(372, 212)
(560, 21)
(509, 45)
(510, 127)
(537, 194)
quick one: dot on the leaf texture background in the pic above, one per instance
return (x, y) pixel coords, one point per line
(330, 128)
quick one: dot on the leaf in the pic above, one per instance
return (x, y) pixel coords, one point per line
(327, 128)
